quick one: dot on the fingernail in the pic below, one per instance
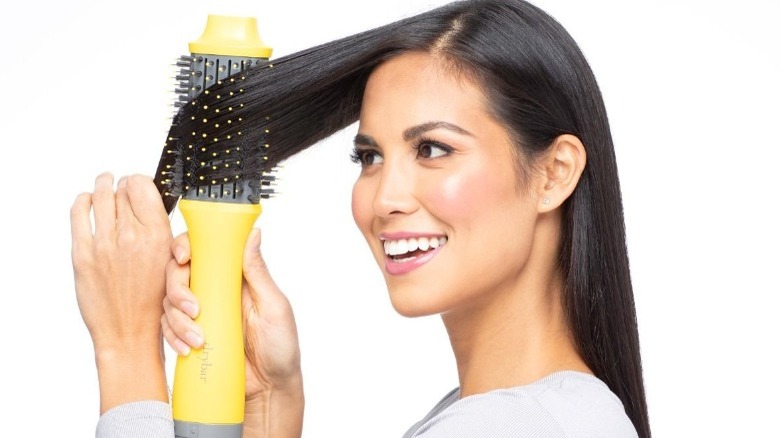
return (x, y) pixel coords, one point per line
(178, 252)
(190, 308)
(182, 348)
(121, 181)
(193, 339)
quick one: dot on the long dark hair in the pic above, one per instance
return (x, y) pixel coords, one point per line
(538, 84)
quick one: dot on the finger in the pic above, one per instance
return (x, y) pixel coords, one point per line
(182, 327)
(123, 210)
(177, 289)
(146, 201)
(174, 341)
(103, 204)
(180, 248)
(80, 223)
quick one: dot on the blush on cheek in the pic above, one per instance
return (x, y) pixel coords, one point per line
(459, 195)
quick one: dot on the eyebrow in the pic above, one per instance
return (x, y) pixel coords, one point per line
(413, 132)
(365, 140)
(416, 131)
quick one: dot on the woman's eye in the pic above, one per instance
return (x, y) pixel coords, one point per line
(432, 149)
(366, 157)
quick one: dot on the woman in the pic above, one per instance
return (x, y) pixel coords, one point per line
(488, 194)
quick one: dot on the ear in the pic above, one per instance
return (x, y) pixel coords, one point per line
(562, 169)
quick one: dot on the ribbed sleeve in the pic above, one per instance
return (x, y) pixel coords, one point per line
(145, 419)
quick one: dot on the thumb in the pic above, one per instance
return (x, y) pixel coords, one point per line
(255, 269)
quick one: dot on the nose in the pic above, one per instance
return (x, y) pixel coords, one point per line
(395, 191)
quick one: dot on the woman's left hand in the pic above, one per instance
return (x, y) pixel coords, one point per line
(119, 274)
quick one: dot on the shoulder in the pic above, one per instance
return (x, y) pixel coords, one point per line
(566, 404)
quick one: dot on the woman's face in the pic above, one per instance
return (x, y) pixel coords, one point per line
(438, 198)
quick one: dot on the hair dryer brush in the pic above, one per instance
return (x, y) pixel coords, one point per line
(220, 181)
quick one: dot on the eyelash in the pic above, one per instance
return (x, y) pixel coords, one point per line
(423, 141)
(360, 156)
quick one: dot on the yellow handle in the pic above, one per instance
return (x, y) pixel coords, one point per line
(209, 384)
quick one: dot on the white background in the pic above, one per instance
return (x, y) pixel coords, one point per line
(692, 93)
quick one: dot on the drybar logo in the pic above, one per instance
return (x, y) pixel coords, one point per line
(204, 362)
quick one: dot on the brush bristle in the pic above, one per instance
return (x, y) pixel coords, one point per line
(197, 163)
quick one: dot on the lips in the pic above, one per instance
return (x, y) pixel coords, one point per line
(404, 254)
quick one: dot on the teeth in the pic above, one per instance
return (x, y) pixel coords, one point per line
(403, 246)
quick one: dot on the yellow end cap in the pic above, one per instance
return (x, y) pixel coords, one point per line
(231, 36)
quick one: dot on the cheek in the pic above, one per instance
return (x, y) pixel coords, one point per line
(458, 195)
(361, 206)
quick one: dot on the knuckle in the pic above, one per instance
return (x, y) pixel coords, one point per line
(80, 257)
(103, 247)
(127, 236)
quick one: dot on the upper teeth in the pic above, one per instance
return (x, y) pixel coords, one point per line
(402, 246)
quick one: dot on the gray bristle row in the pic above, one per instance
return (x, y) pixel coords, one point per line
(198, 164)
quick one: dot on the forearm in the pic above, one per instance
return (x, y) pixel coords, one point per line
(130, 373)
(276, 413)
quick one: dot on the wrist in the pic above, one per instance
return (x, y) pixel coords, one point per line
(276, 412)
(131, 372)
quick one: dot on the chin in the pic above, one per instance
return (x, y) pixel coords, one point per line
(407, 302)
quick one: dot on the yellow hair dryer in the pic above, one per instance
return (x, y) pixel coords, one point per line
(209, 383)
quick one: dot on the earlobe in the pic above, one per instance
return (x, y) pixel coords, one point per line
(563, 168)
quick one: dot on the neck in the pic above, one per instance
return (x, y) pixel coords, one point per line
(511, 342)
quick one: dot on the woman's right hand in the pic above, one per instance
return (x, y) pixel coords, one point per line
(270, 336)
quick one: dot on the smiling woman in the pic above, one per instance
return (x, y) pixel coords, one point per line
(488, 195)
(437, 165)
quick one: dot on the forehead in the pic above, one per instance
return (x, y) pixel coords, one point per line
(416, 86)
